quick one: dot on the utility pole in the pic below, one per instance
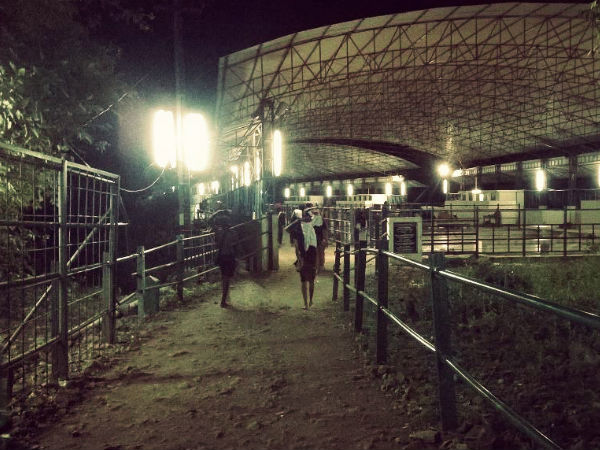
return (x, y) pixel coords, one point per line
(183, 196)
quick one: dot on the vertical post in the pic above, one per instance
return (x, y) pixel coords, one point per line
(336, 271)
(4, 397)
(346, 291)
(360, 263)
(270, 241)
(141, 281)
(180, 266)
(565, 229)
(112, 251)
(476, 231)
(432, 223)
(108, 322)
(382, 301)
(183, 194)
(524, 230)
(494, 239)
(54, 319)
(62, 345)
(572, 187)
(441, 325)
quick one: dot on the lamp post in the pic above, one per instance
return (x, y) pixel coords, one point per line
(182, 187)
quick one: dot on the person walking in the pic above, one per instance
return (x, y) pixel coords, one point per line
(308, 267)
(226, 244)
(320, 227)
(280, 225)
(303, 234)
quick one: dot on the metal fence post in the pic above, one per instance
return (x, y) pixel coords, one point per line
(477, 232)
(270, 246)
(565, 231)
(346, 291)
(108, 323)
(443, 348)
(524, 251)
(360, 263)
(141, 280)
(62, 346)
(180, 267)
(4, 398)
(336, 271)
(382, 301)
(432, 225)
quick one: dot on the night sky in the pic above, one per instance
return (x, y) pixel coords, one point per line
(226, 26)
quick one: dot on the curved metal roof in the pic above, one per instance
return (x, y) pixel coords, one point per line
(468, 84)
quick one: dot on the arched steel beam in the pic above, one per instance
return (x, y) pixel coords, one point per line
(425, 161)
(418, 157)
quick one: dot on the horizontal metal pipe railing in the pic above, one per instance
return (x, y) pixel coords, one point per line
(517, 420)
(511, 415)
(159, 247)
(575, 315)
(582, 317)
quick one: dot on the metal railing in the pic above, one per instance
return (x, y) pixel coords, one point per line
(58, 223)
(479, 231)
(189, 258)
(447, 366)
(59, 272)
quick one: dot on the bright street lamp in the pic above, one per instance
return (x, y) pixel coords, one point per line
(196, 140)
(163, 130)
(443, 170)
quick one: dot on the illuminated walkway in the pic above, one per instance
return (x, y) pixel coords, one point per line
(262, 374)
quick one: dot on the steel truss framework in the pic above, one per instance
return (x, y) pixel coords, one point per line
(465, 84)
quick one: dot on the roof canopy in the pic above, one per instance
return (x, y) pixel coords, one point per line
(470, 85)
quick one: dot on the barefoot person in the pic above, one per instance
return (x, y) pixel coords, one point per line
(225, 239)
(306, 251)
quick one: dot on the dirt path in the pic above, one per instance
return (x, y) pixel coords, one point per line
(262, 374)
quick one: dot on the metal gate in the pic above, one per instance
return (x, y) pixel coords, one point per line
(58, 234)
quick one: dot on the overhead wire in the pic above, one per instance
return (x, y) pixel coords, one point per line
(133, 191)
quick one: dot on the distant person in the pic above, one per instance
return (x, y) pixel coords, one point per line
(498, 216)
(385, 210)
(320, 227)
(308, 261)
(360, 225)
(294, 226)
(280, 225)
(226, 243)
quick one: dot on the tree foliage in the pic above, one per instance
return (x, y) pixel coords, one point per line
(58, 72)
